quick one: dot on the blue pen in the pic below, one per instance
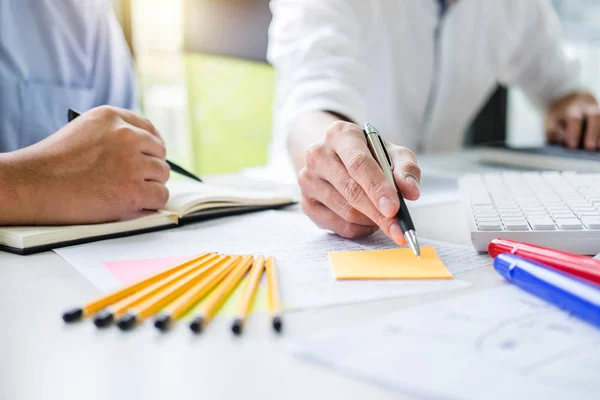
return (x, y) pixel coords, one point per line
(573, 295)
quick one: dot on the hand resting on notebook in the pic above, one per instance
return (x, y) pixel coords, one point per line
(104, 166)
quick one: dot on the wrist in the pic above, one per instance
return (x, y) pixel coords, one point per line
(18, 200)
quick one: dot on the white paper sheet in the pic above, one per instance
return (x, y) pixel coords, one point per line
(298, 246)
(499, 344)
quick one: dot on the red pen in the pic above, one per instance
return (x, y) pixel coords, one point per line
(583, 267)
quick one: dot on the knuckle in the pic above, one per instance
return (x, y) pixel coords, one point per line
(358, 163)
(335, 129)
(351, 214)
(306, 205)
(106, 111)
(146, 121)
(162, 151)
(352, 191)
(303, 178)
(163, 195)
(163, 171)
(126, 135)
(313, 154)
(412, 168)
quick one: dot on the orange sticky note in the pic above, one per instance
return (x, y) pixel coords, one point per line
(388, 264)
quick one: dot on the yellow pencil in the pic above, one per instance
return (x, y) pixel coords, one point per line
(218, 297)
(109, 314)
(273, 297)
(248, 294)
(183, 304)
(103, 302)
(155, 303)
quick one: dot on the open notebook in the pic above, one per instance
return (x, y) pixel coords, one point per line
(188, 201)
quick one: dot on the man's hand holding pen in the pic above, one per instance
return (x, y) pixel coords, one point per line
(104, 166)
(345, 190)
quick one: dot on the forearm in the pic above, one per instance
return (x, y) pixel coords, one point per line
(307, 129)
(16, 206)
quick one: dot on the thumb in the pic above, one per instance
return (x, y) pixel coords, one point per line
(407, 173)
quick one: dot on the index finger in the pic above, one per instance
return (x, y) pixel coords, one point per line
(574, 123)
(593, 132)
(140, 121)
(351, 146)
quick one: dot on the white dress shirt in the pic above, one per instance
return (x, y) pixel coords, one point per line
(419, 75)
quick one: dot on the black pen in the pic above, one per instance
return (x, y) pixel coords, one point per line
(380, 153)
(72, 114)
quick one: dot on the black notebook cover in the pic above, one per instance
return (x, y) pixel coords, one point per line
(205, 215)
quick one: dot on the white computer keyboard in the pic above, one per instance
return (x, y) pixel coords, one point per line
(558, 210)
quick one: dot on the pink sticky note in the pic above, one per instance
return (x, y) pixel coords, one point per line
(129, 271)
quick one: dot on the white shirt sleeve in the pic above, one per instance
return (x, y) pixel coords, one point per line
(316, 48)
(530, 52)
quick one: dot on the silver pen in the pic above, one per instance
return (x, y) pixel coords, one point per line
(379, 151)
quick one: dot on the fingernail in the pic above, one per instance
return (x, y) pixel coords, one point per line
(411, 180)
(386, 206)
(396, 234)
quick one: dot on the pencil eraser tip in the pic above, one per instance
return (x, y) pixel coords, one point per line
(127, 322)
(196, 325)
(73, 315)
(162, 322)
(236, 328)
(103, 319)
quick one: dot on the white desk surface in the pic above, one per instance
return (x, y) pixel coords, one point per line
(43, 358)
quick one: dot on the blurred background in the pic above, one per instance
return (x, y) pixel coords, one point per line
(204, 82)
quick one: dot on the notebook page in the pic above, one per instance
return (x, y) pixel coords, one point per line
(185, 196)
(300, 248)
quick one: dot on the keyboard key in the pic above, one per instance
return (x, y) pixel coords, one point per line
(487, 217)
(489, 226)
(536, 212)
(510, 214)
(591, 222)
(488, 221)
(542, 223)
(557, 208)
(516, 226)
(579, 209)
(485, 212)
(563, 216)
(513, 219)
(588, 214)
(569, 223)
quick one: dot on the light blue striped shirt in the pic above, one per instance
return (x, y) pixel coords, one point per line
(57, 54)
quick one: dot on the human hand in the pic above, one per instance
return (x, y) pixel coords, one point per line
(104, 166)
(345, 190)
(566, 118)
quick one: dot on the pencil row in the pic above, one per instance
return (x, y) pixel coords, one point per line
(169, 295)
